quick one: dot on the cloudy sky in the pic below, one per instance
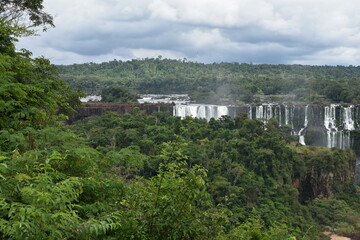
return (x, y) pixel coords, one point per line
(316, 32)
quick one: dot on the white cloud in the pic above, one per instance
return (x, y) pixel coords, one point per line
(151, 53)
(334, 56)
(271, 31)
(206, 39)
(224, 13)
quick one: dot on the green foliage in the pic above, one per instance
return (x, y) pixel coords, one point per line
(328, 171)
(41, 206)
(31, 93)
(26, 13)
(254, 229)
(250, 170)
(330, 211)
(117, 94)
(174, 205)
(128, 162)
(220, 82)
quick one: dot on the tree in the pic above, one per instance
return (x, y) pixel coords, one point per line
(118, 94)
(31, 93)
(25, 13)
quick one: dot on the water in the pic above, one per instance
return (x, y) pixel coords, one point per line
(91, 98)
(348, 116)
(337, 121)
(200, 111)
(301, 132)
(164, 98)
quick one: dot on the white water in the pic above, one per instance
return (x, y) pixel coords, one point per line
(91, 98)
(337, 128)
(330, 126)
(164, 98)
(286, 114)
(250, 112)
(265, 112)
(348, 116)
(200, 111)
(339, 135)
(338, 121)
(300, 133)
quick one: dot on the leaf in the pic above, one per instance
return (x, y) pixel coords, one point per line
(22, 177)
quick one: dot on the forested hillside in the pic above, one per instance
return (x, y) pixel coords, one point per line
(213, 82)
(138, 176)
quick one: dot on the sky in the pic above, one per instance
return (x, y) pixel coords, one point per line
(312, 32)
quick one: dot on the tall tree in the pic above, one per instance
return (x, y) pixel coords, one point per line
(26, 13)
(31, 93)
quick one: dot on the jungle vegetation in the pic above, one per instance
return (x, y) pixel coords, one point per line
(220, 82)
(137, 176)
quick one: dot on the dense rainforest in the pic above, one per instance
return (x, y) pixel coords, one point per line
(220, 82)
(138, 176)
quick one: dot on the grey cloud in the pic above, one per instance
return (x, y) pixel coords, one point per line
(96, 40)
(280, 35)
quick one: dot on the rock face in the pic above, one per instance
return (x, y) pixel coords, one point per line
(327, 170)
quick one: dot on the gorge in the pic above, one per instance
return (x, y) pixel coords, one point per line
(329, 126)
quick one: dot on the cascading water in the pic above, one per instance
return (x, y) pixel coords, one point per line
(265, 112)
(222, 111)
(200, 111)
(91, 98)
(250, 112)
(348, 116)
(286, 114)
(338, 130)
(280, 116)
(330, 126)
(335, 122)
(300, 133)
(259, 112)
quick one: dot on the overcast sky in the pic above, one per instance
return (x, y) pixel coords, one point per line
(316, 32)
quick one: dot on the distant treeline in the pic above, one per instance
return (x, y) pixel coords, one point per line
(232, 82)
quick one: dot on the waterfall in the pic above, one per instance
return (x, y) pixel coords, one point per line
(91, 98)
(222, 111)
(334, 121)
(269, 112)
(338, 121)
(265, 112)
(200, 111)
(286, 114)
(338, 130)
(259, 112)
(250, 112)
(330, 125)
(348, 117)
(300, 133)
(279, 113)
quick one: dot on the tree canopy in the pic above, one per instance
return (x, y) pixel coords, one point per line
(25, 13)
(220, 82)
